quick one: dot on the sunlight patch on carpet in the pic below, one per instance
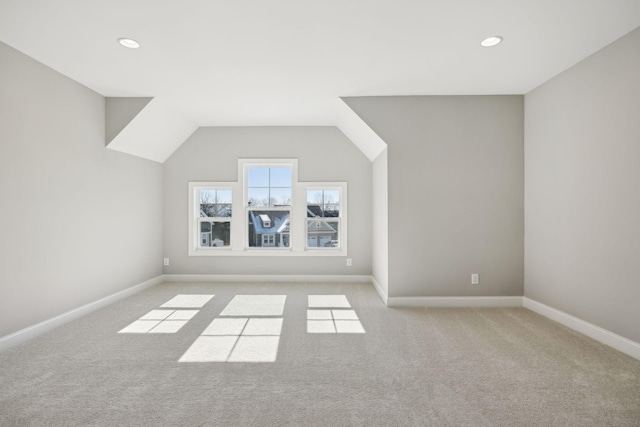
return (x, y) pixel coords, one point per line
(328, 301)
(165, 321)
(255, 305)
(168, 327)
(255, 349)
(334, 319)
(226, 326)
(157, 315)
(188, 301)
(262, 326)
(252, 338)
(139, 327)
(320, 327)
(210, 349)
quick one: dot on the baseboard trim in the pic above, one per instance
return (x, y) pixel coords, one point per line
(33, 331)
(286, 278)
(383, 295)
(620, 343)
(454, 302)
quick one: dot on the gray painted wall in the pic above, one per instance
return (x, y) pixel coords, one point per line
(455, 177)
(78, 222)
(380, 223)
(582, 151)
(212, 153)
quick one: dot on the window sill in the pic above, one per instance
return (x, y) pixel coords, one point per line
(269, 252)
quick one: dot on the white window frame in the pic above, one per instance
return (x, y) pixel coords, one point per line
(341, 187)
(243, 168)
(195, 220)
(239, 245)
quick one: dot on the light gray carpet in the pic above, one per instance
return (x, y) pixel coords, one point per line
(423, 367)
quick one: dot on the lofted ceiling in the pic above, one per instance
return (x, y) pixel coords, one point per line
(288, 62)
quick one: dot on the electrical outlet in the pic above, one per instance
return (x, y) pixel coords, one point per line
(475, 279)
(166, 262)
(349, 263)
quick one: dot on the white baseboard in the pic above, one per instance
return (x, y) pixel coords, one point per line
(604, 336)
(454, 302)
(33, 331)
(383, 295)
(286, 278)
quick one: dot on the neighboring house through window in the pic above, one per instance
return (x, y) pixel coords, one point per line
(215, 212)
(323, 217)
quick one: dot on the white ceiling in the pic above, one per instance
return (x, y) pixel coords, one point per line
(287, 62)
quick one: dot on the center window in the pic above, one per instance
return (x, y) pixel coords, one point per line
(269, 186)
(268, 204)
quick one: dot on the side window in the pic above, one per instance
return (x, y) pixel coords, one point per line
(213, 212)
(323, 218)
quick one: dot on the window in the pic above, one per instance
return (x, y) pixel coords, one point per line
(323, 218)
(268, 204)
(211, 215)
(269, 228)
(269, 186)
(267, 212)
(215, 211)
(268, 240)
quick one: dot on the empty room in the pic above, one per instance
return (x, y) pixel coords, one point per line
(345, 213)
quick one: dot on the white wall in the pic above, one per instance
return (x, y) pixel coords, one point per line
(212, 153)
(78, 222)
(582, 152)
(455, 184)
(380, 224)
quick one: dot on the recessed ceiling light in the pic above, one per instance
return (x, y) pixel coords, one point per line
(130, 43)
(491, 41)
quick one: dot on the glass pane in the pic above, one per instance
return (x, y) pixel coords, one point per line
(280, 197)
(269, 228)
(207, 196)
(258, 196)
(215, 203)
(258, 177)
(323, 234)
(314, 197)
(215, 234)
(224, 196)
(331, 211)
(323, 203)
(281, 177)
(331, 197)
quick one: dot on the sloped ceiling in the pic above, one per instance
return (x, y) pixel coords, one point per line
(288, 62)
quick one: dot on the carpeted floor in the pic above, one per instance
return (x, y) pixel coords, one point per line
(422, 367)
